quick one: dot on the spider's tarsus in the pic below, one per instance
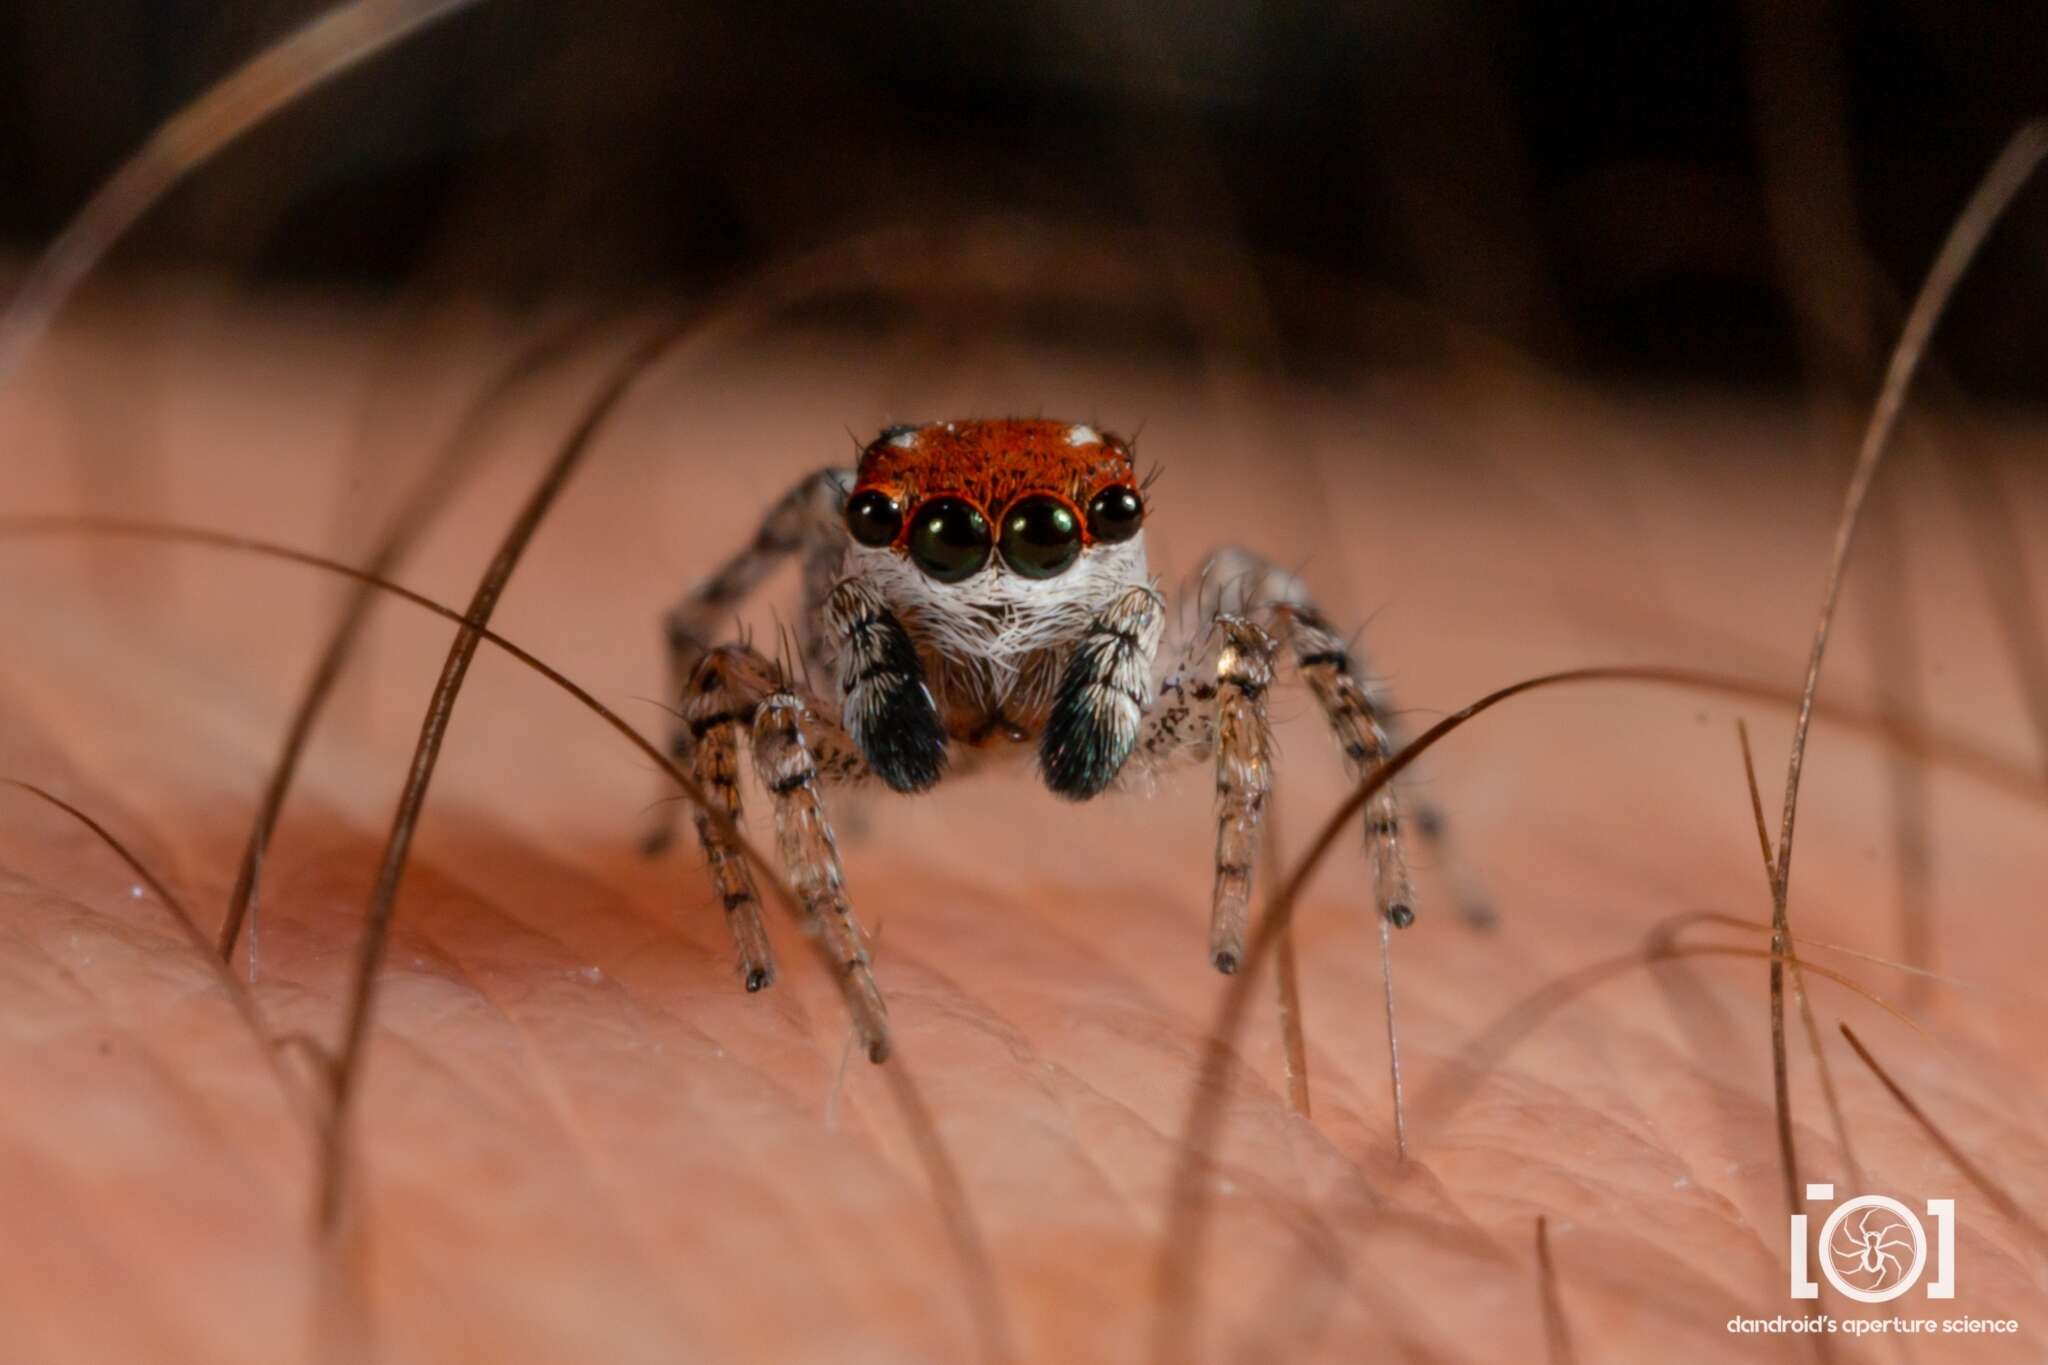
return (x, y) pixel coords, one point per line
(878, 1050)
(760, 979)
(1226, 962)
(1400, 915)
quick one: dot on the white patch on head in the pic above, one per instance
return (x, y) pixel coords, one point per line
(1083, 435)
(995, 633)
(904, 440)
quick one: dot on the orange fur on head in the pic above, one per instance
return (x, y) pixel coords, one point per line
(993, 463)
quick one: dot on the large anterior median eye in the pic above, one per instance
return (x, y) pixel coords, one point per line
(1041, 536)
(1115, 514)
(873, 518)
(949, 539)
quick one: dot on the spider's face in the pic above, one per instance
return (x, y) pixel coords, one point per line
(996, 543)
(1030, 498)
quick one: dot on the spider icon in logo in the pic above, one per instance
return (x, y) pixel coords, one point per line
(1867, 1244)
(1873, 1248)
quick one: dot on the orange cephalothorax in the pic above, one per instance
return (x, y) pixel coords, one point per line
(949, 493)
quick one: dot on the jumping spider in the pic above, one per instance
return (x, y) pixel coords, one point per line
(973, 588)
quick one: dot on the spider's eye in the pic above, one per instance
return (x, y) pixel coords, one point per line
(872, 517)
(1115, 514)
(949, 539)
(1041, 536)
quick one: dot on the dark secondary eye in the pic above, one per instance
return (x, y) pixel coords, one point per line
(949, 539)
(1041, 536)
(1115, 514)
(872, 517)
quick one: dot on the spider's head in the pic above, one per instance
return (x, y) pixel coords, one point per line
(1029, 498)
(996, 543)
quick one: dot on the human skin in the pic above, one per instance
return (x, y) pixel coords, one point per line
(580, 1139)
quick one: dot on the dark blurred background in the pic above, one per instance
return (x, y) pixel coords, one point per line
(1730, 193)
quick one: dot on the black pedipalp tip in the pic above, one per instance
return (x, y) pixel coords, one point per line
(906, 745)
(1078, 755)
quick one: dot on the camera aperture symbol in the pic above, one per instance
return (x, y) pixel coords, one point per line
(1872, 1248)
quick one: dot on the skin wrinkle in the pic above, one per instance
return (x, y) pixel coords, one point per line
(164, 1070)
(620, 978)
(788, 1099)
(1135, 1003)
(1312, 1231)
(556, 1094)
(1737, 1220)
(587, 1151)
(1026, 1056)
(1062, 1088)
(133, 1285)
(165, 1078)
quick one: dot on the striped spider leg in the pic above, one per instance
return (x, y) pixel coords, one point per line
(1212, 703)
(802, 519)
(731, 698)
(736, 698)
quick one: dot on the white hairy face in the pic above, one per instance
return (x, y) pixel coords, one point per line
(992, 643)
(995, 544)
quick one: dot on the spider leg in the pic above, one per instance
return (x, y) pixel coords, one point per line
(1324, 662)
(1099, 718)
(737, 696)
(1249, 584)
(718, 707)
(788, 769)
(804, 518)
(1244, 779)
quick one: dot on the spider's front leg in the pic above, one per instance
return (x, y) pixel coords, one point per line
(789, 770)
(1217, 709)
(1244, 779)
(1250, 584)
(1105, 711)
(806, 519)
(717, 709)
(736, 696)
(1325, 663)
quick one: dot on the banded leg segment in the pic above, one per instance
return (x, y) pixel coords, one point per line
(1248, 584)
(1325, 663)
(789, 771)
(1244, 778)
(735, 697)
(805, 518)
(717, 712)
